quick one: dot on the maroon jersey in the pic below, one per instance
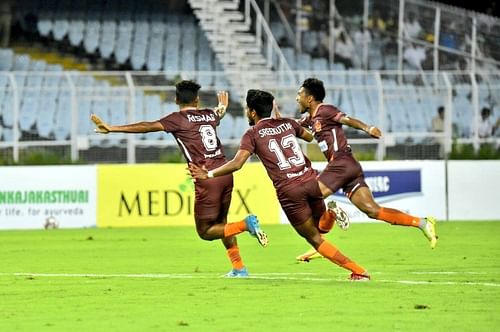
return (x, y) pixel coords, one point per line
(328, 130)
(194, 131)
(274, 141)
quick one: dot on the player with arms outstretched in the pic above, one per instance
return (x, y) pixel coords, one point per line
(194, 129)
(343, 170)
(274, 141)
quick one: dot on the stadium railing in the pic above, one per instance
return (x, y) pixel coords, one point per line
(51, 110)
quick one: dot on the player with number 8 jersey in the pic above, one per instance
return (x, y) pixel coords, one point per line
(194, 129)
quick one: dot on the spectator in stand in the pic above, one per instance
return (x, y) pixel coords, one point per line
(344, 49)
(486, 125)
(415, 55)
(412, 27)
(438, 127)
(438, 121)
(376, 22)
(360, 37)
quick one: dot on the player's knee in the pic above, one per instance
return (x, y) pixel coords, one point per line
(314, 240)
(204, 234)
(370, 210)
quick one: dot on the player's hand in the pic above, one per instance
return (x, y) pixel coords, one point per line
(223, 99)
(198, 173)
(374, 132)
(102, 127)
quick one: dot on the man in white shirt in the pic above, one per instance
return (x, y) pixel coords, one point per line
(415, 55)
(412, 27)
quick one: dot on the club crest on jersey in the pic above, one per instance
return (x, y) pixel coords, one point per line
(317, 126)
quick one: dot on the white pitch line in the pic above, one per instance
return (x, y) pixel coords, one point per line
(421, 282)
(263, 276)
(447, 272)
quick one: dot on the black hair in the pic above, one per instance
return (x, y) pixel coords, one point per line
(441, 109)
(186, 91)
(260, 101)
(315, 88)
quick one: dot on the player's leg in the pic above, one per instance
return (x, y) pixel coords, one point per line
(324, 219)
(311, 234)
(362, 198)
(233, 253)
(333, 177)
(212, 202)
(302, 204)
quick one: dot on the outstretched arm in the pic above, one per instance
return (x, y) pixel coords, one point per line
(307, 135)
(358, 124)
(139, 127)
(201, 173)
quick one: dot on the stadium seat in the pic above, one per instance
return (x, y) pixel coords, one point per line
(44, 23)
(155, 52)
(76, 29)
(46, 115)
(62, 129)
(171, 58)
(84, 124)
(124, 41)
(8, 106)
(92, 35)
(108, 38)
(60, 26)
(139, 45)
(189, 45)
(29, 108)
(205, 61)
(6, 59)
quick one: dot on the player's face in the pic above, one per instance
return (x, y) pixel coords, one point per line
(302, 101)
(251, 120)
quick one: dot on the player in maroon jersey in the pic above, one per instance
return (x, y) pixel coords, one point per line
(343, 170)
(274, 141)
(195, 132)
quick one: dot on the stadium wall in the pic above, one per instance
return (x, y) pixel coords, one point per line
(162, 195)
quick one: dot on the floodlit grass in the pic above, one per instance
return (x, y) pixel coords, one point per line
(166, 279)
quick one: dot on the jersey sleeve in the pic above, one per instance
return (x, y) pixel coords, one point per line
(248, 142)
(169, 124)
(330, 112)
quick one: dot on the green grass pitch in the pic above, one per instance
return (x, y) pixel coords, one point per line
(166, 279)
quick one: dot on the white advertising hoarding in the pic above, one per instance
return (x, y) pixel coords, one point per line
(473, 190)
(414, 187)
(30, 195)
